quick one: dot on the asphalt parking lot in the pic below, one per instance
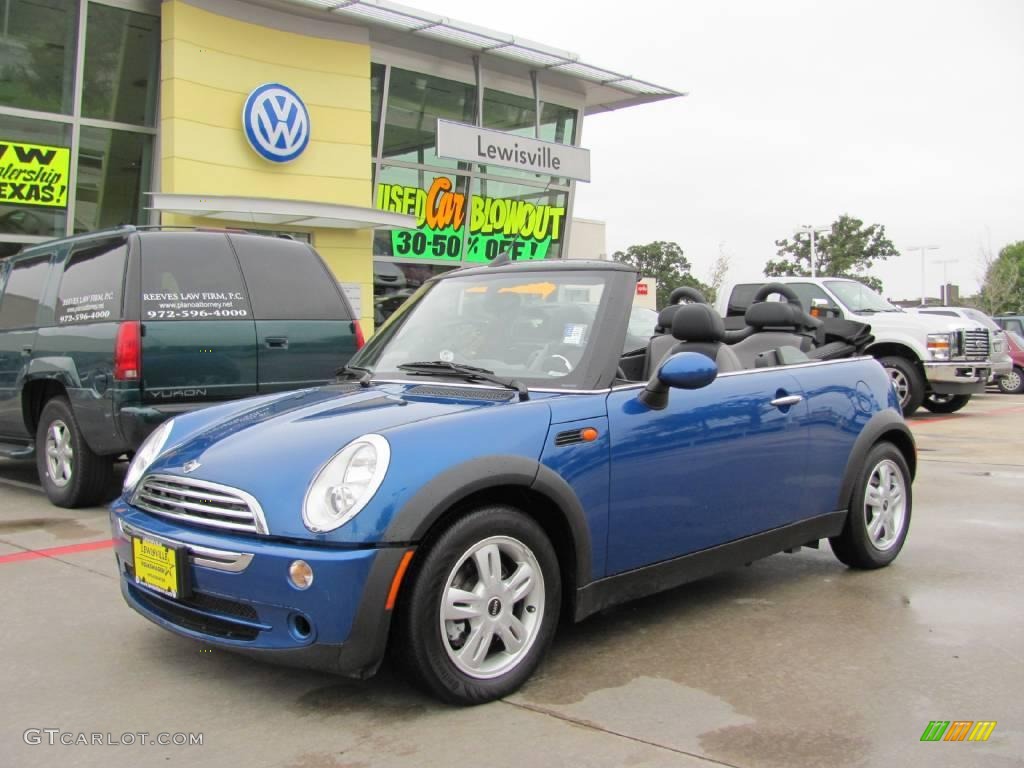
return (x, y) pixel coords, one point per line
(794, 661)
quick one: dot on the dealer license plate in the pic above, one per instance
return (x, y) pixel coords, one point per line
(158, 566)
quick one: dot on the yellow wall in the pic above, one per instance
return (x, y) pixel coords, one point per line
(210, 63)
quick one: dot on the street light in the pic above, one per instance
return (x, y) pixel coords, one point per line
(922, 249)
(945, 281)
(812, 231)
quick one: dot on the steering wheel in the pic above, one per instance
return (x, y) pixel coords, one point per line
(686, 292)
(785, 291)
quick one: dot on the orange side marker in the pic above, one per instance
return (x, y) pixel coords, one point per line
(589, 434)
(397, 580)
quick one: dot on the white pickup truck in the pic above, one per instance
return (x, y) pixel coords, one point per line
(937, 362)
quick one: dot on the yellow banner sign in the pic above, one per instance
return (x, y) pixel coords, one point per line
(34, 174)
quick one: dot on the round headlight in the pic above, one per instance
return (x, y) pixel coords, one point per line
(146, 454)
(346, 483)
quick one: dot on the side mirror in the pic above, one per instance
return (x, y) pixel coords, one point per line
(686, 370)
(823, 308)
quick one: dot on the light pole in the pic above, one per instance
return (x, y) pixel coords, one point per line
(922, 249)
(945, 281)
(812, 232)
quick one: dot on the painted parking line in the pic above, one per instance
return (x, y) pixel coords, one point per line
(933, 419)
(70, 549)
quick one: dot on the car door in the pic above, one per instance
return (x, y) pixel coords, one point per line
(304, 327)
(19, 307)
(715, 465)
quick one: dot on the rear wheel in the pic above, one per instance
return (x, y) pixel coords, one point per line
(1013, 382)
(906, 380)
(945, 403)
(879, 516)
(70, 473)
(482, 607)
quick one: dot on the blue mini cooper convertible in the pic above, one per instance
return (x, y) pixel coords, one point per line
(493, 460)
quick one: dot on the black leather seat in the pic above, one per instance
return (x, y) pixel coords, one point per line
(698, 328)
(773, 324)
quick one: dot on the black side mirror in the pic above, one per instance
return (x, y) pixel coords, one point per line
(685, 370)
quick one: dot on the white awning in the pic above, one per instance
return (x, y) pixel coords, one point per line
(272, 213)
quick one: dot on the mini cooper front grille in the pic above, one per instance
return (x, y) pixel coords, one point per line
(975, 344)
(195, 617)
(200, 503)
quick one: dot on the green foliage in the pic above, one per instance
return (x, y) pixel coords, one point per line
(664, 262)
(849, 249)
(1003, 289)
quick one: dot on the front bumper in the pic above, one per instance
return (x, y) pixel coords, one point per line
(958, 377)
(240, 598)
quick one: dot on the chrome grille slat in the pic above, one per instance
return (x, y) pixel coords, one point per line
(200, 502)
(975, 344)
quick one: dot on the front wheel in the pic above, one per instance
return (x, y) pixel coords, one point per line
(481, 608)
(1013, 382)
(945, 403)
(906, 380)
(879, 517)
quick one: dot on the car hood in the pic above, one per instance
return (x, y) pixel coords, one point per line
(273, 448)
(911, 322)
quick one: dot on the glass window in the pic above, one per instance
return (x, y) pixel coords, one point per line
(37, 54)
(858, 297)
(439, 203)
(415, 102)
(510, 113)
(90, 289)
(121, 71)
(376, 91)
(809, 292)
(557, 123)
(34, 166)
(394, 282)
(25, 285)
(287, 281)
(188, 276)
(528, 222)
(113, 174)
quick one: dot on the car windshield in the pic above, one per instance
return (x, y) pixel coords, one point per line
(858, 297)
(534, 327)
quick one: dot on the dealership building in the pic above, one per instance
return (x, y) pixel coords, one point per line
(313, 118)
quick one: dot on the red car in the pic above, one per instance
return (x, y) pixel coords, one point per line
(1013, 382)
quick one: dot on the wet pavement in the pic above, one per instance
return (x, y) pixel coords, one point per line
(793, 661)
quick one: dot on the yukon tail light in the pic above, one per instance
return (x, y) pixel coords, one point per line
(128, 352)
(357, 329)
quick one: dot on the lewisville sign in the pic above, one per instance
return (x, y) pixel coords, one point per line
(459, 141)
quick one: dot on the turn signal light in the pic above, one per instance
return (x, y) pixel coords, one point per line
(357, 329)
(589, 434)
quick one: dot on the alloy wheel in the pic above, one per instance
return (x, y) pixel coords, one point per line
(59, 454)
(900, 384)
(885, 505)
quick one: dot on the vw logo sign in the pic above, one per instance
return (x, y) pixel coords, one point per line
(276, 122)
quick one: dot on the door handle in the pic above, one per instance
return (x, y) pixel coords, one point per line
(27, 349)
(788, 400)
(277, 342)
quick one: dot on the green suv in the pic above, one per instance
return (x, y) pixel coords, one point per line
(104, 336)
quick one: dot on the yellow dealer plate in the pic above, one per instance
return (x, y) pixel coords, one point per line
(157, 566)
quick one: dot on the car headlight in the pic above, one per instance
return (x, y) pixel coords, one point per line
(146, 454)
(346, 483)
(939, 346)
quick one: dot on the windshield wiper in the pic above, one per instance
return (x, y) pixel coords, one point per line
(467, 372)
(357, 372)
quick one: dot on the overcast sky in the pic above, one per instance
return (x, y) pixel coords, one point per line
(904, 113)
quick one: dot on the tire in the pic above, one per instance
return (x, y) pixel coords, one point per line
(945, 403)
(428, 646)
(907, 380)
(1013, 382)
(863, 544)
(70, 473)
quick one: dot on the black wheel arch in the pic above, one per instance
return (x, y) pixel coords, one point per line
(525, 483)
(884, 426)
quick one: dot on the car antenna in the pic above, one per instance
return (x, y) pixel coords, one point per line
(501, 259)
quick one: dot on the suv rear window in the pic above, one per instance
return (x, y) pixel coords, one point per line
(191, 276)
(93, 280)
(25, 283)
(287, 281)
(741, 298)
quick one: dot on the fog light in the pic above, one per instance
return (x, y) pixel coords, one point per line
(300, 574)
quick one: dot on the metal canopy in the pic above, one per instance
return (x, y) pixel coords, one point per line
(270, 212)
(462, 34)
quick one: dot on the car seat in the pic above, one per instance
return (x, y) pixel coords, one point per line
(698, 328)
(770, 325)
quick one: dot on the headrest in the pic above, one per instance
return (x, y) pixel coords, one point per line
(665, 318)
(697, 322)
(774, 314)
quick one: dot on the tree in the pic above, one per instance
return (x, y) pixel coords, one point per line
(718, 272)
(1003, 287)
(849, 249)
(664, 262)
